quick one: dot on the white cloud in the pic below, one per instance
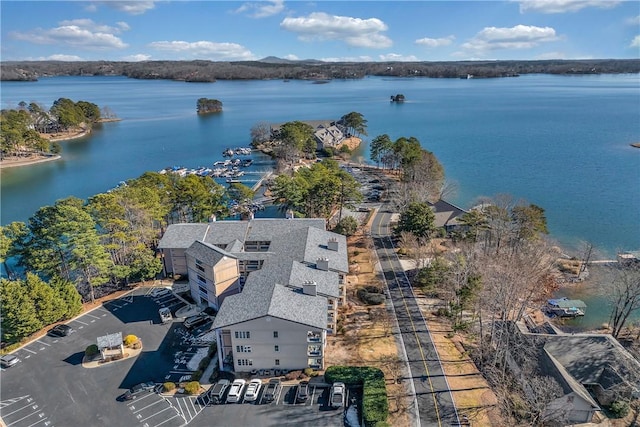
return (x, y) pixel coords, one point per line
(563, 6)
(635, 42)
(397, 57)
(206, 49)
(442, 41)
(518, 37)
(353, 31)
(291, 57)
(137, 7)
(551, 55)
(61, 57)
(78, 33)
(262, 9)
(633, 21)
(363, 58)
(88, 24)
(137, 58)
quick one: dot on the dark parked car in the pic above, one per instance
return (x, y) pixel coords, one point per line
(60, 330)
(272, 390)
(302, 393)
(136, 390)
(195, 321)
(216, 393)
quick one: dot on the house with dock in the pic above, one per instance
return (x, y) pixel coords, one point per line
(565, 307)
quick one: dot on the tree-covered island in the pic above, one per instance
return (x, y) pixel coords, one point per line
(207, 105)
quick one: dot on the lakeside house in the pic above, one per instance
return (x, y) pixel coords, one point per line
(327, 133)
(276, 283)
(447, 215)
(591, 370)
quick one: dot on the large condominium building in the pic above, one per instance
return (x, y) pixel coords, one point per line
(276, 282)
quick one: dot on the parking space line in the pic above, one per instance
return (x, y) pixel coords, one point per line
(90, 315)
(139, 400)
(26, 349)
(17, 410)
(38, 422)
(25, 417)
(42, 342)
(155, 413)
(145, 407)
(167, 420)
(85, 324)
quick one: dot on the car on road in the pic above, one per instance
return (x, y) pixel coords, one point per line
(302, 392)
(60, 331)
(136, 390)
(8, 360)
(253, 390)
(195, 321)
(235, 392)
(336, 396)
(273, 387)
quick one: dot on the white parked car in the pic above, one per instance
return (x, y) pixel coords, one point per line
(235, 391)
(160, 292)
(253, 389)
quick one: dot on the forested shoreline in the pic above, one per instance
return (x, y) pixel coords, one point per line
(276, 68)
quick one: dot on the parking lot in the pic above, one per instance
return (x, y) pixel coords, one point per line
(50, 387)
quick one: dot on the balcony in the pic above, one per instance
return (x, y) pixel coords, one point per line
(315, 363)
(314, 336)
(314, 350)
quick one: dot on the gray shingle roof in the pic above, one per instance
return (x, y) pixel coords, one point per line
(270, 299)
(586, 356)
(181, 236)
(293, 274)
(208, 253)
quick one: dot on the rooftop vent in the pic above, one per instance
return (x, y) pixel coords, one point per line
(309, 287)
(332, 245)
(322, 264)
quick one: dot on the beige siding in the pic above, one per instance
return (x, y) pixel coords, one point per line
(225, 275)
(291, 341)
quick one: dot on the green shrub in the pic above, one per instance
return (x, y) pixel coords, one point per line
(130, 340)
(308, 371)
(169, 386)
(619, 409)
(375, 406)
(382, 424)
(192, 387)
(370, 295)
(92, 350)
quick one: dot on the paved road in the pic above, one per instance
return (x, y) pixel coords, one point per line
(434, 400)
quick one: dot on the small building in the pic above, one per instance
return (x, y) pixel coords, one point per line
(447, 215)
(111, 346)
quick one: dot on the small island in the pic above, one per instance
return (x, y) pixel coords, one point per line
(206, 106)
(397, 98)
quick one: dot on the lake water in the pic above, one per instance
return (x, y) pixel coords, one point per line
(561, 142)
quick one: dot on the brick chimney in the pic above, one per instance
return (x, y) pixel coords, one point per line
(332, 245)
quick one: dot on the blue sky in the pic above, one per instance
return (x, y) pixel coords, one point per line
(325, 30)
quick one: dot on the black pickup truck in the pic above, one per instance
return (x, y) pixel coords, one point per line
(273, 386)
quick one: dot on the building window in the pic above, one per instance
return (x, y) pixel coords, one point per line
(275, 334)
(276, 347)
(242, 335)
(202, 280)
(277, 362)
(245, 362)
(200, 268)
(243, 349)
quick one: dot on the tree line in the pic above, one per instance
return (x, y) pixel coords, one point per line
(22, 129)
(276, 68)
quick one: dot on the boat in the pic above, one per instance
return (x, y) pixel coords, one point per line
(247, 162)
(228, 152)
(565, 307)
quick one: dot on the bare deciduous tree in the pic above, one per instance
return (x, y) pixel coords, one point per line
(624, 295)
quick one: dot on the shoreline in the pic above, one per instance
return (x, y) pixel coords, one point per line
(33, 160)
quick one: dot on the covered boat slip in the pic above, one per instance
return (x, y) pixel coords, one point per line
(565, 307)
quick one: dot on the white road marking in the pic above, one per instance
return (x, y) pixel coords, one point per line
(145, 407)
(26, 349)
(156, 413)
(167, 420)
(85, 324)
(41, 342)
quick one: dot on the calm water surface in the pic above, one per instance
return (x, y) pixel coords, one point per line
(557, 141)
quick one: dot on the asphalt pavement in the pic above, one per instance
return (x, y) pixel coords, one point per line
(433, 396)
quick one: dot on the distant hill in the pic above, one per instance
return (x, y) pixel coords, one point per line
(309, 69)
